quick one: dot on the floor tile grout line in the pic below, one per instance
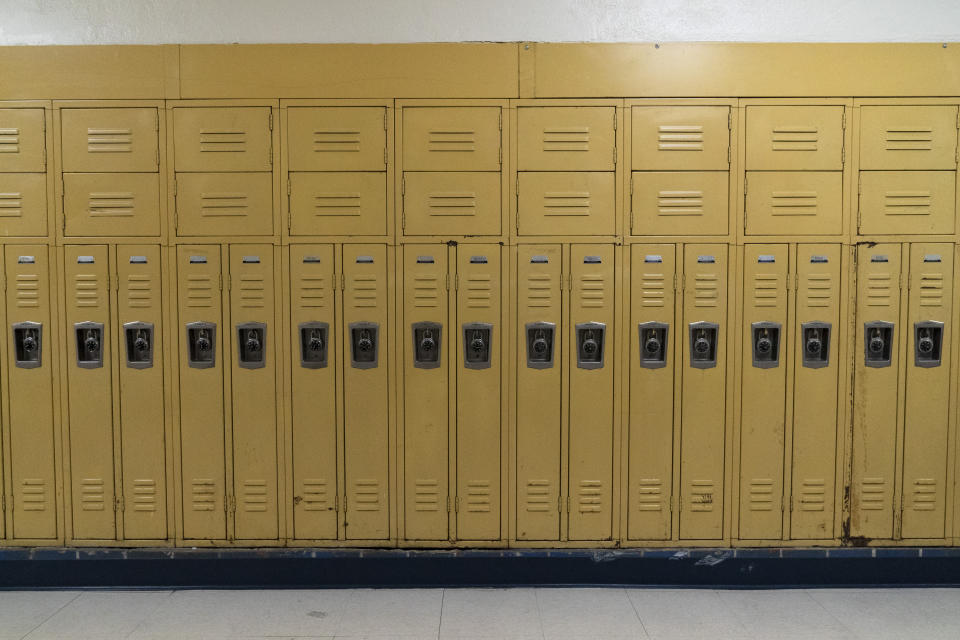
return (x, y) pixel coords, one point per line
(843, 625)
(633, 605)
(59, 609)
(152, 611)
(443, 597)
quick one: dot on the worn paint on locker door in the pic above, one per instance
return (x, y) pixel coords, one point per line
(23, 204)
(451, 139)
(224, 204)
(30, 381)
(703, 394)
(314, 391)
(681, 138)
(539, 353)
(23, 146)
(566, 203)
(223, 138)
(566, 138)
(875, 409)
(816, 368)
(591, 362)
(365, 387)
(908, 137)
(477, 351)
(111, 204)
(907, 202)
(89, 355)
(795, 138)
(108, 140)
(763, 390)
(140, 325)
(253, 374)
(653, 334)
(926, 425)
(426, 358)
(200, 357)
(337, 138)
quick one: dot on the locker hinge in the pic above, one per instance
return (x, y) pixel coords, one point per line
(344, 503)
(729, 119)
(384, 121)
(744, 185)
(174, 188)
(789, 282)
(843, 151)
(676, 283)
(500, 120)
(229, 281)
(343, 285)
(456, 282)
(3, 502)
(336, 498)
(796, 282)
(271, 153)
(403, 185)
(568, 504)
(271, 119)
(559, 504)
(384, 153)
(843, 119)
(456, 504)
(220, 281)
(614, 118)
(729, 155)
(791, 503)
(233, 504)
(446, 284)
(614, 155)
(448, 504)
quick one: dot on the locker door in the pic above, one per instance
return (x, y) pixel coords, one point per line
(908, 137)
(539, 327)
(337, 138)
(332, 203)
(926, 414)
(313, 391)
(224, 204)
(223, 138)
(111, 204)
(566, 138)
(907, 202)
(652, 338)
(875, 390)
(451, 139)
(790, 138)
(794, 203)
(703, 394)
(685, 138)
(252, 323)
(202, 446)
(763, 390)
(566, 203)
(365, 380)
(22, 140)
(451, 203)
(815, 399)
(23, 204)
(143, 453)
(680, 202)
(477, 350)
(593, 348)
(30, 384)
(426, 334)
(106, 140)
(90, 400)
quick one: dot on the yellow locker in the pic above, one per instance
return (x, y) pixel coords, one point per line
(332, 203)
(591, 360)
(926, 411)
(816, 369)
(23, 146)
(763, 390)
(23, 204)
(253, 375)
(451, 139)
(29, 378)
(478, 346)
(566, 203)
(681, 138)
(908, 137)
(875, 394)
(337, 138)
(907, 202)
(679, 203)
(795, 138)
(106, 140)
(87, 283)
(224, 204)
(703, 392)
(566, 138)
(223, 138)
(650, 436)
(365, 389)
(202, 436)
(314, 391)
(451, 203)
(794, 203)
(538, 427)
(111, 204)
(140, 324)
(425, 392)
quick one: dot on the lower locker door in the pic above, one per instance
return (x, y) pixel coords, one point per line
(652, 338)
(591, 360)
(140, 320)
(253, 374)
(425, 336)
(815, 397)
(30, 410)
(365, 383)
(89, 356)
(200, 357)
(875, 393)
(313, 392)
(703, 408)
(763, 390)
(539, 280)
(477, 340)
(926, 414)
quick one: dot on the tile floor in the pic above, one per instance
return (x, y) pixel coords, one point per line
(517, 614)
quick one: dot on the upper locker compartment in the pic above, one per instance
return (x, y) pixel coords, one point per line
(111, 180)
(23, 163)
(223, 138)
(22, 141)
(451, 139)
(912, 138)
(789, 138)
(684, 138)
(337, 158)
